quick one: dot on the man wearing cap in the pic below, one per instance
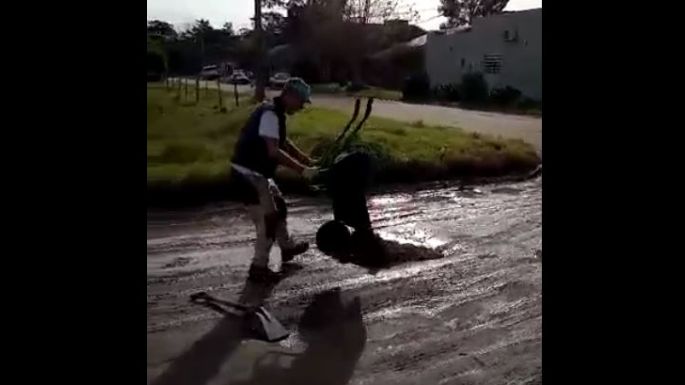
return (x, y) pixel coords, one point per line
(261, 147)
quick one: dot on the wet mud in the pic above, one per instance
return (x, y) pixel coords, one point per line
(457, 302)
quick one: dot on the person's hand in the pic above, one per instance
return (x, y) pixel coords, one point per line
(310, 173)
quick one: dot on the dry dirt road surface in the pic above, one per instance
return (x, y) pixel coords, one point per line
(526, 128)
(471, 317)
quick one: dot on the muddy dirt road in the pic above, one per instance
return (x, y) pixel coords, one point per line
(471, 317)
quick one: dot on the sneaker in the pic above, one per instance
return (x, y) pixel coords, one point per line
(287, 255)
(262, 274)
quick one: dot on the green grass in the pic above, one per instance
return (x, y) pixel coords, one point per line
(187, 141)
(190, 145)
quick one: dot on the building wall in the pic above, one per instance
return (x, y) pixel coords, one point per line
(448, 57)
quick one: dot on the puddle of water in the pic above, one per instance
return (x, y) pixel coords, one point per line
(388, 200)
(412, 236)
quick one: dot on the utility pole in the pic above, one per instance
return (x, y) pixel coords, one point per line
(260, 70)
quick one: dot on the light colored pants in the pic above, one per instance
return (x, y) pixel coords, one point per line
(261, 214)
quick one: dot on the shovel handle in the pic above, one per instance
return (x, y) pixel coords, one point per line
(204, 297)
(367, 112)
(349, 124)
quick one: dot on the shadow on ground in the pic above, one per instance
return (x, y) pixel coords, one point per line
(204, 359)
(331, 326)
(377, 254)
(335, 334)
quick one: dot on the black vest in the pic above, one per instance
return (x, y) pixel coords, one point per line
(250, 150)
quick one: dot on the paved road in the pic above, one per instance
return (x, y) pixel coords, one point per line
(526, 128)
(472, 316)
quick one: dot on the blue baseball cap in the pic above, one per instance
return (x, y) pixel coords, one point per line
(300, 87)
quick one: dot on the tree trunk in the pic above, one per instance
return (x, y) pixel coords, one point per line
(260, 80)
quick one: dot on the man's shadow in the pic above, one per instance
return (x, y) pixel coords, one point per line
(333, 328)
(204, 359)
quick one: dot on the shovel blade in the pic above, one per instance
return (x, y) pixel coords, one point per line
(266, 326)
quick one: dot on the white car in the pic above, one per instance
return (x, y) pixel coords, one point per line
(278, 80)
(210, 72)
(238, 77)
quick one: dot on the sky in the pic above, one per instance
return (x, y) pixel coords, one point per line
(183, 13)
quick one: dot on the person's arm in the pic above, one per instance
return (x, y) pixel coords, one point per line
(268, 130)
(283, 158)
(296, 153)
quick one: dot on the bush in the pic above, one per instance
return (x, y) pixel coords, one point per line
(529, 104)
(474, 88)
(330, 88)
(448, 92)
(354, 87)
(506, 96)
(327, 152)
(416, 87)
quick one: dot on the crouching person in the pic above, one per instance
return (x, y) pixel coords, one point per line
(261, 147)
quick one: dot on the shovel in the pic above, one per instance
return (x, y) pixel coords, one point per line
(257, 319)
(339, 144)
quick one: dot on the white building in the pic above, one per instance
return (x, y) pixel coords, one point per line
(506, 48)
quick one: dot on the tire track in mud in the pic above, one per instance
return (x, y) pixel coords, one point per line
(472, 317)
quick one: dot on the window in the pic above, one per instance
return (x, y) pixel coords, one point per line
(492, 63)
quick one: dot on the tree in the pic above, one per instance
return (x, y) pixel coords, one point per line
(158, 34)
(273, 22)
(157, 29)
(260, 81)
(157, 59)
(331, 37)
(461, 12)
(228, 29)
(369, 11)
(200, 29)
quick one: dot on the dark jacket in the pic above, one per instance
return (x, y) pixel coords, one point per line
(250, 150)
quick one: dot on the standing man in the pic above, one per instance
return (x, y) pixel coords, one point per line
(261, 147)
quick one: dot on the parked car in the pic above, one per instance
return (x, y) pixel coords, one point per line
(239, 77)
(209, 72)
(278, 80)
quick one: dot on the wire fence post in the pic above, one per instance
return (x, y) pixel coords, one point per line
(218, 90)
(197, 90)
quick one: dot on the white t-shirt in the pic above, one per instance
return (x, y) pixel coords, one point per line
(268, 125)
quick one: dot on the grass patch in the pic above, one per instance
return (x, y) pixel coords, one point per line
(189, 146)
